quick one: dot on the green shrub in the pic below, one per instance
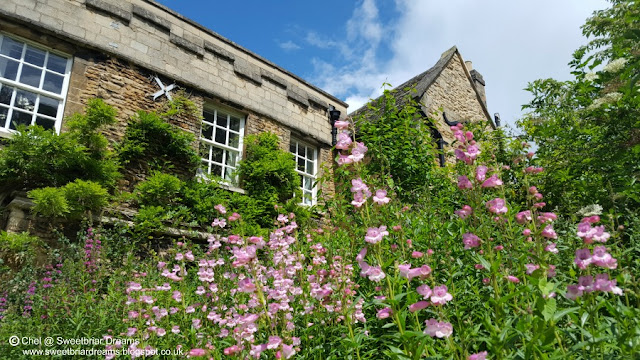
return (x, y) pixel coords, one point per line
(35, 157)
(268, 173)
(17, 249)
(85, 196)
(159, 190)
(49, 202)
(150, 143)
(72, 200)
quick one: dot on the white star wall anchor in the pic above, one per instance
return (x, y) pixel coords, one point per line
(166, 91)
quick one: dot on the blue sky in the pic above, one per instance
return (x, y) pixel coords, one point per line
(350, 48)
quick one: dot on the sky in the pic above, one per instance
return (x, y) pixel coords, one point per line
(351, 48)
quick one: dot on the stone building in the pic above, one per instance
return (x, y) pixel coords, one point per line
(55, 55)
(449, 92)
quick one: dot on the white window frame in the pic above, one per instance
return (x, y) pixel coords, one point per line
(304, 174)
(5, 129)
(211, 143)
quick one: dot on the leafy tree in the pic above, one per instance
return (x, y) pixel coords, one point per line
(587, 130)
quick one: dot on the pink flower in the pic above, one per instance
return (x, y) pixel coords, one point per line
(175, 329)
(603, 259)
(464, 183)
(416, 254)
(358, 199)
(418, 306)
(375, 274)
(274, 342)
(583, 258)
(341, 124)
(472, 151)
(523, 216)
(497, 206)
(357, 153)
(380, 197)
(221, 209)
(492, 182)
(478, 356)
(384, 313)
(512, 279)
(288, 351)
(470, 241)
(549, 233)
(232, 350)
(234, 217)
(219, 222)
(131, 331)
(344, 159)
(440, 295)
(438, 329)
(481, 173)
(374, 235)
(197, 352)
(421, 272)
(464, 212)
(343, 141)
(551, 248)
(573, 292)
(531, 268)
(526, 232)
(425, 291)
(161, 332)
(361, 254)
(357, 185)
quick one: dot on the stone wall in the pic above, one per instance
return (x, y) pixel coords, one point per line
(165, 43)
(453, 93)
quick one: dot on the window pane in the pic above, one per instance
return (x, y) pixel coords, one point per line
(308, 183)
(217, 154)
(25, 100)
(20, 118)
(205, 167)
(234, 140)
(301, 164)
(34, 56)
(221, 136)
(207, 131)
(310, 168)
(228, 174)
(5, 95)
(30, 75)
(232, 158)
(222, 119)
(8, 68)
(11, 48)
(57, 63)
(205, 151)
(208, 116)
(48, 106)
(311, 154)
(307, 198)
(48, 124)
(292, 147)
(234, 124)
(3, 116)
(216, 170)
(52, 82)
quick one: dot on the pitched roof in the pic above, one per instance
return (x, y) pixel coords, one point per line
(423, 81)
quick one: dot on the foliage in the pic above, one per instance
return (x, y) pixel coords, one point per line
(151, 143)
(586, 129)
(268, 174)
(400, 143)
(17, 249)
(35, 157)
(75, 199)
(159, 190)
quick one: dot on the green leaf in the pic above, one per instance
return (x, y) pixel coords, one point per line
(549, 309)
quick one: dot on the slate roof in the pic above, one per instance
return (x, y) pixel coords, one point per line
(423, 81)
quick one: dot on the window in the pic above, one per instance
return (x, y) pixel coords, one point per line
(33, 85)
(306, 166)
(221, 143)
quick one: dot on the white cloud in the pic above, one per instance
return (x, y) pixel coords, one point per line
(289, 45)
(510, 43)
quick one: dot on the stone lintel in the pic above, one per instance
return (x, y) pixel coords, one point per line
(152, 18)
(298, 95)
(275, 79)
(186, 44)
(113, 10)
(218, 51)
(245, 69)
